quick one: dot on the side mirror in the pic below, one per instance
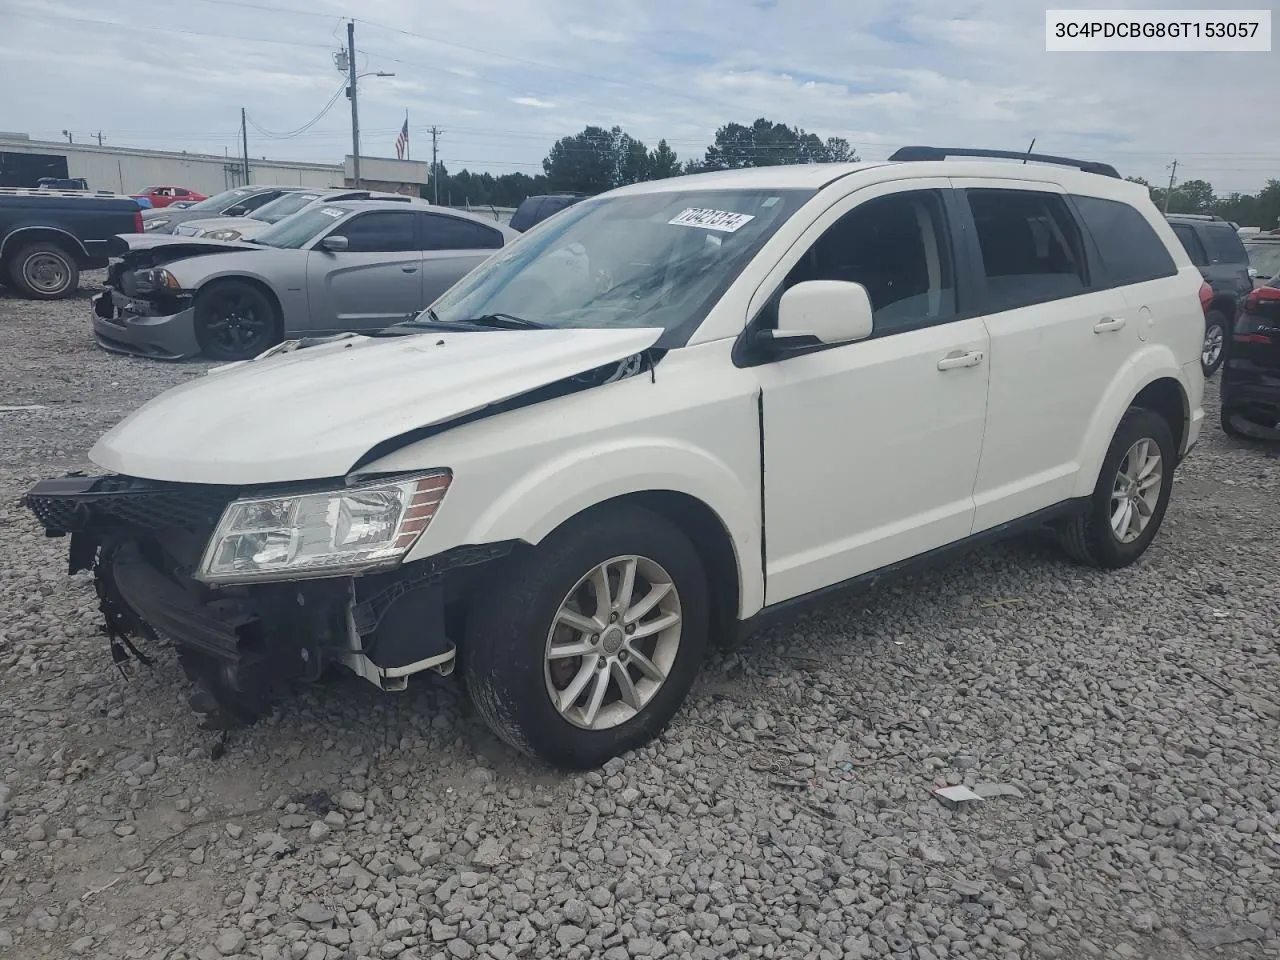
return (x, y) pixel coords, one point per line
(334, 244)
(829, 311)
(1253, 273)
(239, 210)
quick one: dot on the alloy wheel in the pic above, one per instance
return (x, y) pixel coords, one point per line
(613, 642)
(1136, 490)
(1214, 338)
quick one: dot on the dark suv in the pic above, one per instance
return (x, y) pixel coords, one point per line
(1215, 247)
(1251, 378)
(536, 209)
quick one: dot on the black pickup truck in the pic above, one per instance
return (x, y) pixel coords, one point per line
(48, 236)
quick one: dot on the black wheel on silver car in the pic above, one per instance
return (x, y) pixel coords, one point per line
(589, 643)
(1131, 495)
(44, 271)
(235, 321)
(1215, 340)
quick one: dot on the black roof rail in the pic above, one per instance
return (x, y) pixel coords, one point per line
(941, 153)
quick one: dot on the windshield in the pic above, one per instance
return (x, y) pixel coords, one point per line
(223, 199)
(1265, 258)
(282, 206)
(294, 232)
(649, 260)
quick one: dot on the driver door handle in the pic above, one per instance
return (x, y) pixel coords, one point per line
(409, 269)
(1108, 325)
(958, 359)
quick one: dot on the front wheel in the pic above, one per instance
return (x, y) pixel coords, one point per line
(235, 320)
(1130, 498)
(585, 646)
(1215, 339)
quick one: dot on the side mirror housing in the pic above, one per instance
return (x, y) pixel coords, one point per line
(829, 311)
(334, 244)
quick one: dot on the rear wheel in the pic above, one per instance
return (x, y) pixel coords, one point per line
(1132, 493)
(235, 320)
(1215, 339)
(591, 641)
(44, 271)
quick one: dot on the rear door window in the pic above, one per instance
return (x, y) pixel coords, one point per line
(1186, 235)
(1131, 251)
(1223, 245)
(440, 232)
(1031, 247)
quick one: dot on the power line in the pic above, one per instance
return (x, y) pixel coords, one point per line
(306, 126)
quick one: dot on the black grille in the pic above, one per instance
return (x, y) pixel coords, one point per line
(70, 504)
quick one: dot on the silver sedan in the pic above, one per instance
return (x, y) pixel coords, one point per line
(348, 266)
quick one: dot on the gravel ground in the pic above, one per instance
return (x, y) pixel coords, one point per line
(787, 812)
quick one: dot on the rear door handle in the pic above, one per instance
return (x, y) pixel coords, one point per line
(1108, 324)
(409, 269)
(956, 360)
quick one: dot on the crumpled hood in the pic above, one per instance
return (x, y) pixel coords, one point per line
(314, 412)
(123, 244)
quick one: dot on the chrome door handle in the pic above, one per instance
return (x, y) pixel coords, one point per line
(1108, 324)
(954, 361)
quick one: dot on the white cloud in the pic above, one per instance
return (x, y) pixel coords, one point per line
(505, 79)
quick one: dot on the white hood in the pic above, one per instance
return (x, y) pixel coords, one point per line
(314, 412)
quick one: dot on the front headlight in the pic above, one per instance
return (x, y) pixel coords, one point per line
(222, 234)
(155, 224)
(331, 533)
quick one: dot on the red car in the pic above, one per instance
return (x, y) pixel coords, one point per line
(163, 196)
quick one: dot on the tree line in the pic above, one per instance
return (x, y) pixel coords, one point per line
(596, 160)
(1261, 209)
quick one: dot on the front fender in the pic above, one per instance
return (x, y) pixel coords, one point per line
(1154, 362)
(560, 489)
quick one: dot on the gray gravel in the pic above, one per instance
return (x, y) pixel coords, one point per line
(787, 812)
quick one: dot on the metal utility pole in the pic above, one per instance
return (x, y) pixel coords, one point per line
(1173, 172)
(355, 111)
(67, 134)
(98, 135)
(244, 145)
(435, 178)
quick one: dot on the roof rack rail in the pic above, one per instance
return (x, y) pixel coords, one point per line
(1195, 216)
(941, 153)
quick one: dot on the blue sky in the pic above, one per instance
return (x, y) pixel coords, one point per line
(504, 79)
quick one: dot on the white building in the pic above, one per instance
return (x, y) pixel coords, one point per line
(128, 170)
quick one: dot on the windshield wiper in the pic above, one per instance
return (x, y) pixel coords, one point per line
(487, 321)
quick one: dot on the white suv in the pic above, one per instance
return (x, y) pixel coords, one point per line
(654, 420)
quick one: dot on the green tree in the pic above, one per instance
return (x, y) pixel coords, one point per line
(596, 160)
(766, 143)
(1192, 196)
(663, 162)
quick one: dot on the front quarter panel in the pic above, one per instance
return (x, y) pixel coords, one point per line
(283, 272)
(691, 428)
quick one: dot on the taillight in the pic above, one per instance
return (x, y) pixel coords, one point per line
(137, 222)
(1255, 297)
(1206, 296)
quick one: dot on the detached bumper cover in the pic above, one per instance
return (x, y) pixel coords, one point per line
(122, 325)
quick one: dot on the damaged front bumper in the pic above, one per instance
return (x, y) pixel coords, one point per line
(143, 539)
(133, 327)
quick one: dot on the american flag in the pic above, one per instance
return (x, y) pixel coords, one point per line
(402, 141)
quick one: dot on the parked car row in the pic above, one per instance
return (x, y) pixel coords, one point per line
(612, 444)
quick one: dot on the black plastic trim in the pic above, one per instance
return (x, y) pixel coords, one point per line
(942, 153)
(787, 608)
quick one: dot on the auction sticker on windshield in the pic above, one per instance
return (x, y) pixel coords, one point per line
(332, 211)
(724, 221)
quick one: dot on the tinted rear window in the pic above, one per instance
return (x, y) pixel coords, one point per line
(1223, 245)
(1131, 251)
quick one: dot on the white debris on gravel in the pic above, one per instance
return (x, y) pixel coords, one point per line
(787, 813)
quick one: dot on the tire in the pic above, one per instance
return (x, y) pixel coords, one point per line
(1212, 351)
(235, 320)
(44, 271)
(505, 653)
(1228, 426)
(1090, 538)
